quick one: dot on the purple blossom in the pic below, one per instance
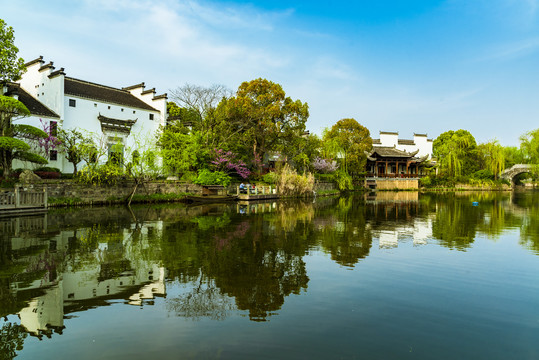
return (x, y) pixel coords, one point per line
(325, 165)
(227, 162)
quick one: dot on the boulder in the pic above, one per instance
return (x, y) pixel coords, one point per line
(28, 176)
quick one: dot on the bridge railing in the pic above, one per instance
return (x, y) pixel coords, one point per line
(19, 199)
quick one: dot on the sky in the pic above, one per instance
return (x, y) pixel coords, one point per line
(403, 66)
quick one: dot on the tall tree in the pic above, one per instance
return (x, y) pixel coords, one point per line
(265, 118)
(529, 144)
(11, 144)
(350, 140)
(11, 66)
(456, 152)
(493, 157)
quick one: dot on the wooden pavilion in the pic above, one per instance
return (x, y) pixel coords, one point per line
(389, 162)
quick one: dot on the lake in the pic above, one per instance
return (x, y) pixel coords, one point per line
(388, 276)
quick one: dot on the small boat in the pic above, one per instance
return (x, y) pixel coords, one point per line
(210, 198)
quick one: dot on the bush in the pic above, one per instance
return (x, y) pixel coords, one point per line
(47, 169)
(425, 181)
(106, 174)
(207, 177)
(343, 180)
(270, 178)
(48, 174)
(290, 183)
(483, 174)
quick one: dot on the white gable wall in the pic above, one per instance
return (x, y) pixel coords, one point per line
(84, 116)
(421, 143)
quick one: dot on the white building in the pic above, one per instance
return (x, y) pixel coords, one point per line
(117, 116)
(419, 142)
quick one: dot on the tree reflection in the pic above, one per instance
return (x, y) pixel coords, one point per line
(11, 340)
(344, 233)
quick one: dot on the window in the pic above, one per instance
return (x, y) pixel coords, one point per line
(109, 107)
(53, 128)
(95, 105)
(151, 116)
(122, 109)
(53, 155)
(72, 102)
(134, 111)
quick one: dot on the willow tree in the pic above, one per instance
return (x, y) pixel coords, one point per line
(493, 157)
(456, 152)
(529, 144)
(350, 140)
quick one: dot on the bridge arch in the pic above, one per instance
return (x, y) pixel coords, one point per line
(517, 169)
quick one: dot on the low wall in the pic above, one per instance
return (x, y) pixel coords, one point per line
(324, 186)
(397, 184)
(98, 194)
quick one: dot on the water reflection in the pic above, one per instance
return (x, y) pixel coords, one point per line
(244, 257)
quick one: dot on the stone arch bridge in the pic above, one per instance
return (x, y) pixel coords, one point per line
(509, 174)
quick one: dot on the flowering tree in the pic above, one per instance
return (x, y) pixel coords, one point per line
(51, 141)
(325, 166)
(226, 161)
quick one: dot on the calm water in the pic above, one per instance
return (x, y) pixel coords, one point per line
(399, 276)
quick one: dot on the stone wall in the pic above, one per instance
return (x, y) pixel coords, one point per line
(100, 194)
(324, 186)
(397, 184)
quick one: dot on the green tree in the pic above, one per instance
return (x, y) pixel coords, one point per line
(456, 152)
(513, 155)
(529, 144)
(493, 157)
(72, 144)
(11, 66)
(181, 150)
(11, 144)
(263, 118)
(349, 140)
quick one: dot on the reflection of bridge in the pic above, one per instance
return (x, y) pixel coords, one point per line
(509, 174)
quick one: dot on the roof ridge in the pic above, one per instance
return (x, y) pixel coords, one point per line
(96, 84)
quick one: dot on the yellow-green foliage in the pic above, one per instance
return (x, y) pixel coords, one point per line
(290, 183)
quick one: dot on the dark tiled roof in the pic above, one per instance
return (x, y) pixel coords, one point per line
(88, 90)
(390, 152)
(376, 141)
(389, 133)
(47, 66)
(57, 73)
(406, 142)
(35, 106)
(425, 135)
(32, 62)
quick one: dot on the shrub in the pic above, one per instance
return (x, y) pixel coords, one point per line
(290, 183)
(48, 174)
(483, 174)
(47, 169)
(343, 180)
(207, 177)
(106, 174)
(425, 181)
(270, 178)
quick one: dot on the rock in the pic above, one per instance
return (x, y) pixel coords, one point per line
(28, 176)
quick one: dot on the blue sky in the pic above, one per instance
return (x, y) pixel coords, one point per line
(407, 66)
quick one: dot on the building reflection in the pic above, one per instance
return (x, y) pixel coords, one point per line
(234, 257)
(56, 278)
